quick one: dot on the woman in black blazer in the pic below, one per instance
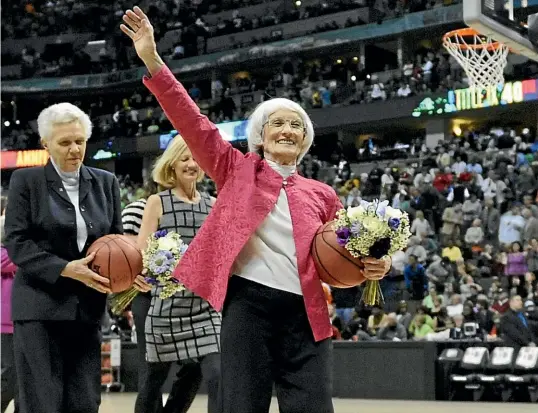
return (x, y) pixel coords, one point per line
(54, 214)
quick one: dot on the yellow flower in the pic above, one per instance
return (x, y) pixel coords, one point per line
(372, 224)
(166, 244)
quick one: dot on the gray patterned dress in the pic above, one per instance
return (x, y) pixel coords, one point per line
(184, 326)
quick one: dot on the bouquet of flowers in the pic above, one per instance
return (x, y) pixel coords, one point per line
(160, 258)
(372, 229)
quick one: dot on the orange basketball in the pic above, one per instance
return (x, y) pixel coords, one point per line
(334, 263)
(118, 258)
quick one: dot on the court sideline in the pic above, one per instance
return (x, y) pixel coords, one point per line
(124, 403)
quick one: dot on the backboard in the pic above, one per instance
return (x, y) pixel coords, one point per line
(512, 22)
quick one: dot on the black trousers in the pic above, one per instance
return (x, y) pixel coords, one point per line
(266, 339)
(58, 366)
(151, 376)
(185, 387)
(9, 377)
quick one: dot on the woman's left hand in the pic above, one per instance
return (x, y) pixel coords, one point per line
(375, 269)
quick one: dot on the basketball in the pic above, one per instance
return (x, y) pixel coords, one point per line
(334, 263)
(118, 258)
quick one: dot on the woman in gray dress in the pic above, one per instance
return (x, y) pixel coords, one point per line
(184, 328)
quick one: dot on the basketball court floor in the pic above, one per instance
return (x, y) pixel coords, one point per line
(124, 403)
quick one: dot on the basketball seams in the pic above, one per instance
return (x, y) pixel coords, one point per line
(329, 242)
(126, 258)
(112, 256)
(316, 255)
(109, 258)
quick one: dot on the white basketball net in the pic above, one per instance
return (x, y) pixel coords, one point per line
(484, 65)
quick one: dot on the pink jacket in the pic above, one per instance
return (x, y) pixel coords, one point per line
(8, 271)
(248, 191)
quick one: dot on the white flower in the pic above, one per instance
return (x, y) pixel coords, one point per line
(391, 212)
(355, 212)
(166, 244)
(372, 224)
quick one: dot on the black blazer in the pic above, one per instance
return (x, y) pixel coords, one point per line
(513, 331)
(41, 238)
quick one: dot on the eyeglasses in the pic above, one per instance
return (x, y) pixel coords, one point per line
(295, 125)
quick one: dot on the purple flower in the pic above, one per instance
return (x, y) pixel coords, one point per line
(151, 281)
(394, 223)
(356, 229)
(160, 263)
(342, 236)
(161, 233)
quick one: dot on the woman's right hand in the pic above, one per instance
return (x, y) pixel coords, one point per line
(78, 270)
(141, 284)
(140, 30)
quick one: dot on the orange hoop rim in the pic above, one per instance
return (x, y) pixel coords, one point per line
(469, 31)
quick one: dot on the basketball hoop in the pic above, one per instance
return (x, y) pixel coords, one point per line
(482, 58)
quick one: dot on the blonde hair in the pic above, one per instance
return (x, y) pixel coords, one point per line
(61, 113)
(163, 173)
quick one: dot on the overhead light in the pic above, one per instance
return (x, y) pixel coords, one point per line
(353, 78)
(298, 3)
(355, 59)
(18, 122)
(339, 61)
(6, 123)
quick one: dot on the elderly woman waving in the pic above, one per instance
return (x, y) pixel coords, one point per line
(251, 258)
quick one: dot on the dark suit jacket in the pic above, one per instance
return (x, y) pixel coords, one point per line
(41, 238)
(514, 333)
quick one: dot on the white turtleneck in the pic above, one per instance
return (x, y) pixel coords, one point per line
(71, 183)
(269, 256)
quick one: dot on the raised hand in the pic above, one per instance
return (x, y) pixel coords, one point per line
(78, 270)
(140, 30)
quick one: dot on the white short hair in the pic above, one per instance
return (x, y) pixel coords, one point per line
(262, 112)
(62, 113)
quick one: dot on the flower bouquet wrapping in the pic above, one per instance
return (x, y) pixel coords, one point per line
(372, 229)
(163, 252)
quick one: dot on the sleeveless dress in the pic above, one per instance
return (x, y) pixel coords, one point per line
(184, 326)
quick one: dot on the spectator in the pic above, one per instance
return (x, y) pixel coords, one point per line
(501, 304)
(420, 226)
(452, 221)
(403, 316)
(392, 330)
(439, 272)
(345, 300)
(421, 328)
(516, 329)
(456, 305)
(414, 248)
(415, 278)
(377, 319)
(490, 217)
(516, 262)
(511, 226)
(452, 251)
(530, 230)
(474, 236)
